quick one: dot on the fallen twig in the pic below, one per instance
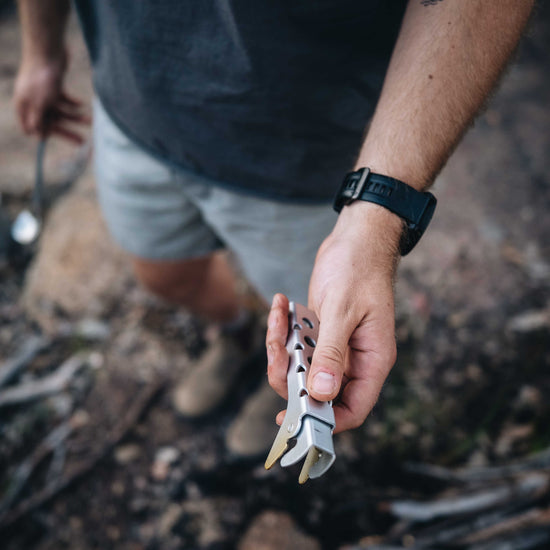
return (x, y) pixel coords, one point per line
(533, 538)
(528, 486)
(493, 531)
(47, 385)
(534, 518)
(133, 413)
(469, 475)
(455, 530)
(31, 347)
(50, 443)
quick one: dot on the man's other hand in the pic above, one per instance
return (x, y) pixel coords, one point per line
(43, 108)
(351, 292)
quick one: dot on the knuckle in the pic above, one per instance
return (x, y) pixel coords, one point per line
(329, 353)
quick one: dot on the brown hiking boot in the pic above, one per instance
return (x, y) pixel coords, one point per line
(217, 371)
(254, 429)
(211, 380)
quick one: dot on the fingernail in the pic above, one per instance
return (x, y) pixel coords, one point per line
(269, 354)
(324, 383)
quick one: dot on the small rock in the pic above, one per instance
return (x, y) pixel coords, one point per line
(346, 446)
(160, 470)
(140, 483)
(169, 518)
(164, 458)
(167, 454)
(61, 404)
(117, 488)
(113, 532)
(139, 505)
(80, 418)
(193, 491)
(124, 454)
(478, 459)
(92, 329)
(76, 523)
(408, 429)
(530, 321)
(529, 398)
(146, 532)
(273, 530)
(473, 372)
(96, 360)
(510, 437)
(453, 378)
(458, 319)
(212, 522)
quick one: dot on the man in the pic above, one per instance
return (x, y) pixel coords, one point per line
(231, 124)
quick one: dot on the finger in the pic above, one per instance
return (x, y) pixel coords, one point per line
(21, 108)
(356, 402)
(280, 417)
(59, 113)
(359, 395)
(277, 356)
(70, 100)
(336, 326)
(27, 122)
(65, 133)
(277, 321)
(277, 367)
(33, 120)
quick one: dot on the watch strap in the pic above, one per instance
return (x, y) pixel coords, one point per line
(416, 208)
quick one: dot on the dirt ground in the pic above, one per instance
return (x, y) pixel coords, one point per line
(469, 389)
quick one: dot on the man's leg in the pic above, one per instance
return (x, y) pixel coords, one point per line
(176, 255)
(206, 286)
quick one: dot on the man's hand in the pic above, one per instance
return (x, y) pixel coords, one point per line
(351, 291)
(42, 107)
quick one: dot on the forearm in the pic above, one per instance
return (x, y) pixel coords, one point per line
(43, 24)
(447, 60)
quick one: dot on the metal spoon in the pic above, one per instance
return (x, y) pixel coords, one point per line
(27, 225)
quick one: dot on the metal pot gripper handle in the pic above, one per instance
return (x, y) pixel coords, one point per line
(307, 421)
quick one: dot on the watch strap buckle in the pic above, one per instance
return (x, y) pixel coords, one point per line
(351, 188)
(360, 185)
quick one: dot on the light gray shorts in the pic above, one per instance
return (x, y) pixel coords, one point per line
(156, 212)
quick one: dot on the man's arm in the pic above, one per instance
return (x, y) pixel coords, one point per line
(43, 108)
(447, 59)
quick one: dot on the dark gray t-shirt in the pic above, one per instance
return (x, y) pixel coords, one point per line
(270, 97)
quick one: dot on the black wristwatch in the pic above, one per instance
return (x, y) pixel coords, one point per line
(415, 207)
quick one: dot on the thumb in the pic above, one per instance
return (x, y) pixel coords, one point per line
(329, 359)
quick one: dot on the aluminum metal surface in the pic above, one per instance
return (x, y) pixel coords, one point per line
(308, 422)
